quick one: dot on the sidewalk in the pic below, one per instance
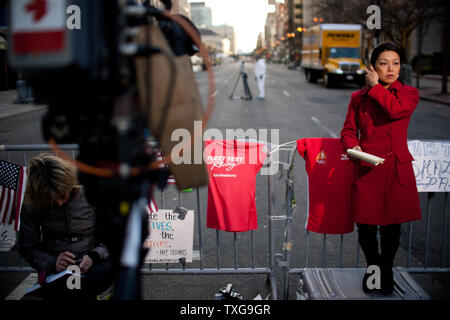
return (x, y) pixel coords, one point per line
(9, 109)
(430, 89)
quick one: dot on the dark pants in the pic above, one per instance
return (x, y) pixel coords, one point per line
(390, 242)
(247, 92)
(95, 281)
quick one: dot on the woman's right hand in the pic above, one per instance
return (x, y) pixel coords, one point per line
(64, 260)
(357, 148)
(371, 77)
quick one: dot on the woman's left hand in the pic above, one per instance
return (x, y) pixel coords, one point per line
(86, 264)
(371, 77)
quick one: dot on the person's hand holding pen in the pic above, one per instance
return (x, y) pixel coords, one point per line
(371, 76)
(64, 260)
(68, 258)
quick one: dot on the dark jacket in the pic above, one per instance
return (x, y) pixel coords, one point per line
(44, 234)
(377, 120)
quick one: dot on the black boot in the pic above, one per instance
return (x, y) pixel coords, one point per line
(364, 283)
(387, 279)
(390, 241)
(367, 237)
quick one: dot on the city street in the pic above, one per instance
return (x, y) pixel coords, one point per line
(297, 109)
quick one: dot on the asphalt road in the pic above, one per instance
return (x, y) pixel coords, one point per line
(296, 109)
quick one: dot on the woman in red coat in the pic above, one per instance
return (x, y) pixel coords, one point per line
(385, 195)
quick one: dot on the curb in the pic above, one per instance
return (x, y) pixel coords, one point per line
(428, 98)
(20, 111)
(33, 108)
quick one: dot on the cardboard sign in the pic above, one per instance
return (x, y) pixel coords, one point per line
(431, 164)
(171, 236)
(7, 237)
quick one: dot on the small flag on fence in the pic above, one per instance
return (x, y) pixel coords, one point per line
(152, 207)
(159, 158)
(12, 190)
(171, 179)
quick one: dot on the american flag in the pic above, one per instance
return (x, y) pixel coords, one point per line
(152, 207)
(12, 189)
(171, 179)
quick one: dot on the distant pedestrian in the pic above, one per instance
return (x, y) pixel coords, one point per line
(243, 74)
(247, 92)
(385, 195)
(260, 75)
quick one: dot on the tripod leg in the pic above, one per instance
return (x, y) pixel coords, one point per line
(248, 94)
(235, 85)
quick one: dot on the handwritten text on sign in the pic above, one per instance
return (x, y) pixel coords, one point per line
(7, 237)
(431, 165)
(171, 237)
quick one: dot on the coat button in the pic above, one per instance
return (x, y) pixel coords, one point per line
(366, 114)
(388, 132)
(389, 154)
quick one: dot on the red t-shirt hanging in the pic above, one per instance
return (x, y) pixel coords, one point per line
(232, 168)
(330, 177)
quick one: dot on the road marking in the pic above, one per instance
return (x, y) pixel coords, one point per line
(286, 93)
(330, 132)
(20, 290)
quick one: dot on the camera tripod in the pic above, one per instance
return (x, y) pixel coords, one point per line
(247, 92)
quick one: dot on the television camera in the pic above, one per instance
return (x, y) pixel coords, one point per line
(87, 76)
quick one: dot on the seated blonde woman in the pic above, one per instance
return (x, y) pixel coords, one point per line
(58, 229)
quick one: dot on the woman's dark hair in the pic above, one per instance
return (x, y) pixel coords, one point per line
(384, 46)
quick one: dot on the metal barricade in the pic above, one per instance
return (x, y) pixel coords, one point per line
(215, 263)
(343, 242)
(256, 263)
(224, 256)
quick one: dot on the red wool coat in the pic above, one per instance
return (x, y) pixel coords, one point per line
(377, 120)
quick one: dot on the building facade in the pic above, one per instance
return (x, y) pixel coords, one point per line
(275, 31)
(181, 7)
(227, 33)
(201, 15)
